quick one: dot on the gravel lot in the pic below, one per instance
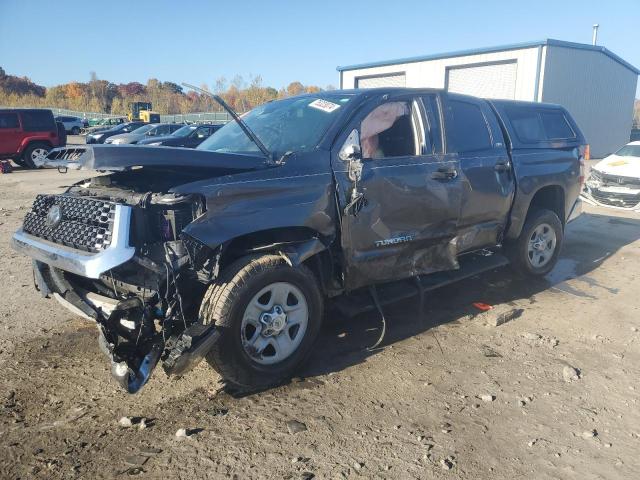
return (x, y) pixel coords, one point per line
(551, 394)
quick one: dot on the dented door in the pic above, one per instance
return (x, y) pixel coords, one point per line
(400, 219)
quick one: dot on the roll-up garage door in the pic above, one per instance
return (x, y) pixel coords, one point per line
(494, 80)
(390, 80)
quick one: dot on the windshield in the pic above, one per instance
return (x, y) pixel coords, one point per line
(143, 130)
(629, 151)
(184, 131)
(292, 125)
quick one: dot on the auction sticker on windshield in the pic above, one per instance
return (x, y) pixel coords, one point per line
(324, 105)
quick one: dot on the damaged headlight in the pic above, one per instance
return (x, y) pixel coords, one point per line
(595, 179)
(595, 175)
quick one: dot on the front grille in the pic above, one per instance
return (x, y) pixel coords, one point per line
(84, 223)
(616, 180)
(68, 154)
(616, 199)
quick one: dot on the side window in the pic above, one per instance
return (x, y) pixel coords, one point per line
(467, 129)
(434, 127)
(388, 132)
(527, 125)
(536, 125)
(9, 120)
(556, 126)
(202, 132)
(34, 121)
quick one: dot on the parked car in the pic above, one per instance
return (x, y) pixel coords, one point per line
(189, 136)
(615, 181)
(151, 130)
(26, 134)
(230, 250)
(101, 135)
(99, 125)
(72, 125)
(101, 122)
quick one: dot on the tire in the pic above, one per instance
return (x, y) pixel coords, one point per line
(31, 151)
(535, 252)
(75, 131)
(246, 355)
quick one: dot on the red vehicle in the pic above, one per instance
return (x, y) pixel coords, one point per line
(26, 134)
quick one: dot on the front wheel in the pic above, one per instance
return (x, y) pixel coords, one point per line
(536, 250)
(33, 153)
(268, 314)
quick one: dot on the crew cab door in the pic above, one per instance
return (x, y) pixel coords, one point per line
(399, 199)
(487, 180)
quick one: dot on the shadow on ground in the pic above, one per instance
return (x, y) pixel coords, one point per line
(589, 241)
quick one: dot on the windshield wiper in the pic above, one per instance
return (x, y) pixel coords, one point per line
(245, 128)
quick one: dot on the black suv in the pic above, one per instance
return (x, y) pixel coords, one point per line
(189, 136)
(231, 250)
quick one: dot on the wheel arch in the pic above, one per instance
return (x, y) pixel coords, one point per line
(297, 245)
(33, 141)
(549, 197)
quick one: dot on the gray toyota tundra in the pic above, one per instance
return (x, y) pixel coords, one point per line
(229, 252)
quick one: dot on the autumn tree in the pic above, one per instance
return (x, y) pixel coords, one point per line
(168, 97)
(295, 88)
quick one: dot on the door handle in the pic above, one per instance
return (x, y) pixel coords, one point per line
(445, 173)
(502, 166)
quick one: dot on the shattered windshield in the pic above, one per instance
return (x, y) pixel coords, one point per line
(292, 125)
(629, 151)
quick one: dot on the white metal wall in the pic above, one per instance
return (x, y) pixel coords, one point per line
(432, 73)
(598, 91)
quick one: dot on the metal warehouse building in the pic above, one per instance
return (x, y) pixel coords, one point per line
(593, 83)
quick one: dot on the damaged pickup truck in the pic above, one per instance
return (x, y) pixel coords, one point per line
(230, 251)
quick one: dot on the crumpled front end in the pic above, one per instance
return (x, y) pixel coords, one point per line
(126, 267)
(610, 190)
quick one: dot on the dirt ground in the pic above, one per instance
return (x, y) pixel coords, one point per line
(449, 395)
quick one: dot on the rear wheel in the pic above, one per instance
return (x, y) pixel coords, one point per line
(536, 250)
(33, 152)
(269, 315)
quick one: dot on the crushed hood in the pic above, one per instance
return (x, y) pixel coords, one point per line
(620, 166)
(118, 158)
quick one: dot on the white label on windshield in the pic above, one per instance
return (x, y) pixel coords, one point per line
(324, 105)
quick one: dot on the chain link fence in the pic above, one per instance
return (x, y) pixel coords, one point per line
(199, 117)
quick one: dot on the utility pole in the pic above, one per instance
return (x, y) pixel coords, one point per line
(595, 34)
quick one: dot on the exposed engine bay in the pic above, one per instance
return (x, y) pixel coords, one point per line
(145, 308)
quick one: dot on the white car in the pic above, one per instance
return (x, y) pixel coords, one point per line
(615, 181)
(72, 125)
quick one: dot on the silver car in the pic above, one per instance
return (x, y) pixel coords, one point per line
(72, 125)
(144, 132)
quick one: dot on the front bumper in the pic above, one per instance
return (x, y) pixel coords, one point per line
(613, 197)
(89, 265)
(576, 211)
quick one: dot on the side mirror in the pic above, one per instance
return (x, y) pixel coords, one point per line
(351, 151)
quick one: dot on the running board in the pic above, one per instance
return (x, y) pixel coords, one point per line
(359, 301)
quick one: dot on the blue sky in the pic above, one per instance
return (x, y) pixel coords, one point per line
(56, 41)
